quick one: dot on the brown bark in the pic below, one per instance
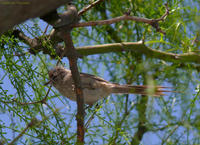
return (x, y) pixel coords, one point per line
(13, 12)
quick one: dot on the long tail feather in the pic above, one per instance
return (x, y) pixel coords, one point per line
(143, 90)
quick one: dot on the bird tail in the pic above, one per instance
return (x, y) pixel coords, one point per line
(139, 89)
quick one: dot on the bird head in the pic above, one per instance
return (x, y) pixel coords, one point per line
(56, 74)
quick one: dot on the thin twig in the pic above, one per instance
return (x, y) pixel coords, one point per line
(43, 101)
(97, 107)
(119, 124)
(195, 39)
(113, 20)
(165, 140)
(165, 14)
(45, 30)
(85, 9)
(126, 104)
(153, 22)
(33, 122)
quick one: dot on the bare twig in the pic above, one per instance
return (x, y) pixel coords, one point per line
(45, 30)
(162, 18)
(97, 107)
(85, 9)
(180, 123)
(165, 14)
(165, 140)
(114, 20)
(31, 42)
(33, 122)
(195, 39)
(126, 104)
(36, 43)
(43, 101)
(153, 22)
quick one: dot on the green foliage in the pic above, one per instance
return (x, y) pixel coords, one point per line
(171, 119)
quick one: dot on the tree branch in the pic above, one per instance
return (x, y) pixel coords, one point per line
(72, 56)
(152, 22)
(36, 43)
(64, 32)
(85, 9)
(24, 9)
(139, 48)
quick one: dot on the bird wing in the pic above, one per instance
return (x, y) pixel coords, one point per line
(89, 76)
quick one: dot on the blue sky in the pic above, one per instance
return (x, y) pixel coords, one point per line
(150, 138)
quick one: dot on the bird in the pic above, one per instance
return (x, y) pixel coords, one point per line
(68, 17)
(96, 88)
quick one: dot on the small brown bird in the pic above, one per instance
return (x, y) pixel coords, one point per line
(68, 17)
(96, 88)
